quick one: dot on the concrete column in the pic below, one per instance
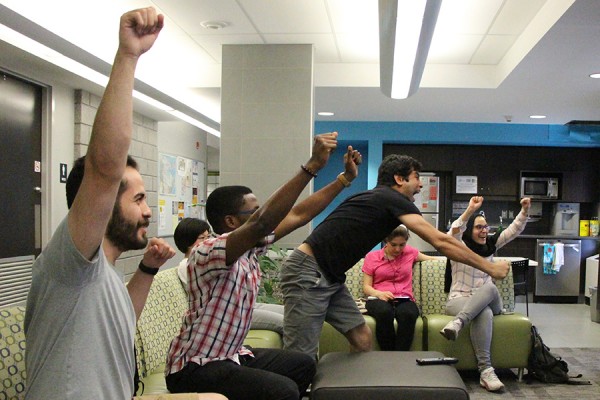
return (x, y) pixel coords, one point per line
(266, 118)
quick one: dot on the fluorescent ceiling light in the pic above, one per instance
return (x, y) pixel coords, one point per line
(405, 31)
(31, 46)
(325, 113)
(595, 75)
(537, 116)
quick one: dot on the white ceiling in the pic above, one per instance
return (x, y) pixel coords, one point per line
(489, 58)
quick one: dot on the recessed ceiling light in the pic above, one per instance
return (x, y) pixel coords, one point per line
(537, 116)
(214, 25)
(326, 114)
(595, 75)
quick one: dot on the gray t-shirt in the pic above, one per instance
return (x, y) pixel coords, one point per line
(79, 326)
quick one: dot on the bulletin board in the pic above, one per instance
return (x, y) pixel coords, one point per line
(181, 191)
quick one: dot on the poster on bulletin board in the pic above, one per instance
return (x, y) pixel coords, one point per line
(181, 191)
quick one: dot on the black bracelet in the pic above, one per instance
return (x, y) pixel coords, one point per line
(308, 171)
(147, 270)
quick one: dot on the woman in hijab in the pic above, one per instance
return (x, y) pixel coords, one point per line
(473, 295)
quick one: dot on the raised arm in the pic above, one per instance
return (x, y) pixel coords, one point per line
(452, 248)
(266, 218)
(306, 210)
(474, 204)
(111, 134)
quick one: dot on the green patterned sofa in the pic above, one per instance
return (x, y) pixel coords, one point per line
(511, 341)
(159, 324)
(12, 353)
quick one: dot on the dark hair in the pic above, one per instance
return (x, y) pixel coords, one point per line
(76, 177)
(396, 164)
(223, 201)
(187, 232)
(401, 230)
(484, 250)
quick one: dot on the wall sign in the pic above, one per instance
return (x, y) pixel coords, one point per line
(466, 184)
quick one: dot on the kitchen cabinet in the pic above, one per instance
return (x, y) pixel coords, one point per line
(496, 170)
(497, 167)
(580, 186)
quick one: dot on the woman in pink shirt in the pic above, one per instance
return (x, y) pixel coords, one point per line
(388, 283)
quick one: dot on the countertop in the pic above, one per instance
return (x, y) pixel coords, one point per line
(597, 238)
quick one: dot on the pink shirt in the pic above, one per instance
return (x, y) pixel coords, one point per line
(392, 275)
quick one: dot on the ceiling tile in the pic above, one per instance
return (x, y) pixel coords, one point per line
(213, 44)
(349, 16)
(453, 49)
(287, 16)
(325, 48)
(190, 13)
(359, 48)
(515, 16)
(466, 16)
(492, 49)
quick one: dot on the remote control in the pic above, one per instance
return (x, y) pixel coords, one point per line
(437, 360)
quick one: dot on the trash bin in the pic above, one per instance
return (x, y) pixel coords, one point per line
(594, 314)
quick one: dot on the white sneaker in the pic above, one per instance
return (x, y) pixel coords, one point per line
(490, 381)
(451, 329)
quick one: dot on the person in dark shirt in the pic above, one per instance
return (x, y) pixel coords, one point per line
(313, 276)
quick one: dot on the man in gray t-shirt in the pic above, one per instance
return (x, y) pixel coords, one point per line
(80, 318)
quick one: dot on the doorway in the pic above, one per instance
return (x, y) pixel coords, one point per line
(20, 180)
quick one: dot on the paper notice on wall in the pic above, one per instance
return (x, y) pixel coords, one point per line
(466, 184)
(162, 214)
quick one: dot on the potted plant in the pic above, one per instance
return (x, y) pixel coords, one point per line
(270, 265)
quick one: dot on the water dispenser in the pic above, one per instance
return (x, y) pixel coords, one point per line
(566, 219)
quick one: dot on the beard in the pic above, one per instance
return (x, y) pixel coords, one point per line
(124, 234)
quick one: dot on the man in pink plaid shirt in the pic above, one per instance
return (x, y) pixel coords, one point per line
(223, 282)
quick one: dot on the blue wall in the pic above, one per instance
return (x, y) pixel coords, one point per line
(369, 138)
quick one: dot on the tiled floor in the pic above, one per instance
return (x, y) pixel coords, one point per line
(563, 325)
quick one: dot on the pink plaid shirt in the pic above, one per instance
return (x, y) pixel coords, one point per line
(221, 299)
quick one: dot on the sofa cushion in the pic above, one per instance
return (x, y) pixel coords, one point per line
(160, 321)
(263, 339)
(354, 280)
(333, 341)
(511, 341)
(428, 286)
(12, 352)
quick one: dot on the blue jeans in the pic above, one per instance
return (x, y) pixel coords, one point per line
(272, 374)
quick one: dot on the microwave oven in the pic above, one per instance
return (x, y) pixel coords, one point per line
(539, 188)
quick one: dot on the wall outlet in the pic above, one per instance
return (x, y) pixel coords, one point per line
(511, 214)
(504, 214)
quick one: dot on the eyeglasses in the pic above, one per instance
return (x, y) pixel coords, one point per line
(247, 212)
(482, 227)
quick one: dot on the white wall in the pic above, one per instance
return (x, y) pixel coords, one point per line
(182, 139)
(59, 138)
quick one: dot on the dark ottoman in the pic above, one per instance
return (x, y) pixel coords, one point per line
(385, 375)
